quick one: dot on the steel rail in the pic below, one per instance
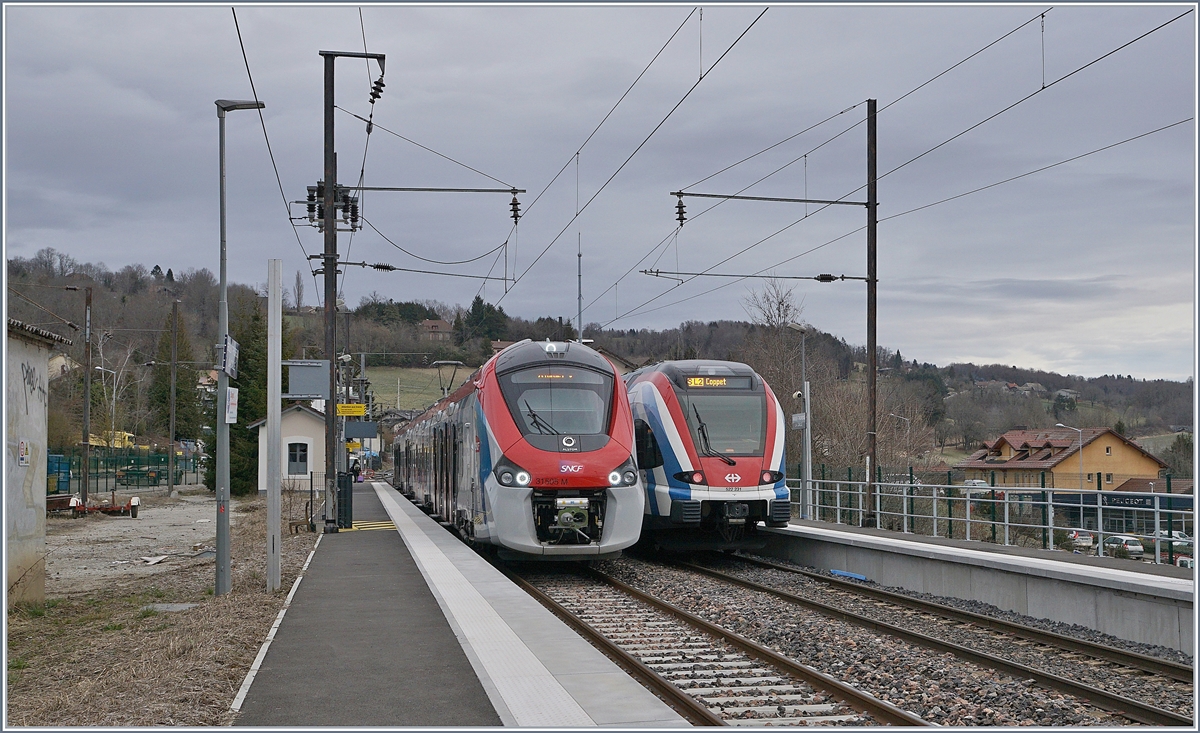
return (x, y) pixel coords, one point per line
(689, 707)
(883, 711)
(1145, 662)
(1124, 706)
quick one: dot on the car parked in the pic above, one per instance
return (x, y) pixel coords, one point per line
(1080, 539)
(1114, 544)
(1185, 561)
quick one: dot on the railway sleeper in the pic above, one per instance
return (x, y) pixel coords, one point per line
(792, 721)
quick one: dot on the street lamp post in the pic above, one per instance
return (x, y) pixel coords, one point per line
(1080, 431)
(806, 471)
(112, 426)
(223, 580)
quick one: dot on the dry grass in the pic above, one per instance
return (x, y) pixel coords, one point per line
(102, 659)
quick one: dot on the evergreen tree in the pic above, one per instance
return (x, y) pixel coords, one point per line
(187, 404)
(247, 326)
(484, 320)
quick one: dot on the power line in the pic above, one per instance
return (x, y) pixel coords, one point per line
(939, 145)
(423, 147)
(271, 153)
(635, 152)
(894, 216)
(807, 153)
(426, 259)
(36, 304)
(362, 171)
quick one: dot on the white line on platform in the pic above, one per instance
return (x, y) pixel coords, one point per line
(262, 651)
(532, 694)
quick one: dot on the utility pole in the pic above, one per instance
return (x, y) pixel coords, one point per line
(581, 294)
(85, 469)
(330, 270)
(872, 205)
(174, 356)
(274, 446)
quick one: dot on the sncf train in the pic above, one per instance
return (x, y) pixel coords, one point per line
(710, 446)
(532, 455)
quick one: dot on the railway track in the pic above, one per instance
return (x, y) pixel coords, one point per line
(1137, 710)
(711, 675)
(1144, 662)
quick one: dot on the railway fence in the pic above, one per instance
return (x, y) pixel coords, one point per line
(1073, 520)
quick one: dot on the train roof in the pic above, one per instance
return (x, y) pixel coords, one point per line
(677, 370)
(533, 353)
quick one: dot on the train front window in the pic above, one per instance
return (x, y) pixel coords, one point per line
(735, 423)
(558, 400)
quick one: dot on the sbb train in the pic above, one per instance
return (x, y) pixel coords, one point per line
(710, 446)
(533, 454)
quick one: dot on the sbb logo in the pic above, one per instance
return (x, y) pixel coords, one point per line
(569, 468)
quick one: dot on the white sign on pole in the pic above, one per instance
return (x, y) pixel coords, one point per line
(231, 405)
(230, 362)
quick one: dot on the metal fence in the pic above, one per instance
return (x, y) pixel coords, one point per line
(112, 469)
(1062, 519)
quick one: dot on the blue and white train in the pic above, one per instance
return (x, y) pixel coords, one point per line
(710, 447)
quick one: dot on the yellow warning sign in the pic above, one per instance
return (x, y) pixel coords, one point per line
(353, 445)
(354, 409)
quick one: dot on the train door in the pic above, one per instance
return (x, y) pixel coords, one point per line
(468, 502)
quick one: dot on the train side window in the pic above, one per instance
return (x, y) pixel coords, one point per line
(648, 454)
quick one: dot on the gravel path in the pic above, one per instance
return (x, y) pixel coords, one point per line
(936, 686)
(1145, 687)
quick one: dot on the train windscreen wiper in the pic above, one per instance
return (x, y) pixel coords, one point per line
(536, 421)
(705, 444)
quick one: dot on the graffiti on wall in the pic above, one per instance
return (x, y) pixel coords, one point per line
(35, 384)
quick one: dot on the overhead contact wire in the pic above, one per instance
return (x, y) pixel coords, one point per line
(271, 153)
(637, 149)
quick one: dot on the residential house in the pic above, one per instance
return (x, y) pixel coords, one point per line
(26, 408)
(302, 446)
(1021, 457)
(60, 365)
(436, 330)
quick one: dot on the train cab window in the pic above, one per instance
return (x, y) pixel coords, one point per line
(735, 421)
(558, 400)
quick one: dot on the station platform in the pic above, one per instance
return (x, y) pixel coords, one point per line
(404, 625)
(1142, 602)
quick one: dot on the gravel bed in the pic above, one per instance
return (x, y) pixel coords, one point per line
(936, 686)
(986, 609)
(1162, 692)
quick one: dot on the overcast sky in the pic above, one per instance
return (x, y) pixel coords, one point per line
(1087, 268)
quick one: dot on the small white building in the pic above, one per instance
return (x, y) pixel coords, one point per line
(26, 408)
(302, 446)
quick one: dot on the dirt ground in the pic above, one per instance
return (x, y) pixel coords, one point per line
(103, 651)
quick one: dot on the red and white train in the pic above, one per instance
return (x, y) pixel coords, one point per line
(533, 455)
(710, 446)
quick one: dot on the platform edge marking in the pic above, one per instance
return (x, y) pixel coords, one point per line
(517, 674)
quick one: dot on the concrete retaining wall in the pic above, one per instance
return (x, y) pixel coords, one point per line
(1147, 608)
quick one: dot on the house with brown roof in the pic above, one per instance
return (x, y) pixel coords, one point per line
(436, 330)
(1021, 457)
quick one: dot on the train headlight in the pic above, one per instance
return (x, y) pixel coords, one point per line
(770, 477)
(624, 474)
(690, 477)
(510, 474)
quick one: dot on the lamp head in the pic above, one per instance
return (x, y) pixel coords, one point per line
(226, 105)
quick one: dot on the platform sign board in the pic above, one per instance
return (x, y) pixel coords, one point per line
(308, 379)
(351, 409)
(361, 429)
(229, 357)
(353, 445)
(231, 400)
